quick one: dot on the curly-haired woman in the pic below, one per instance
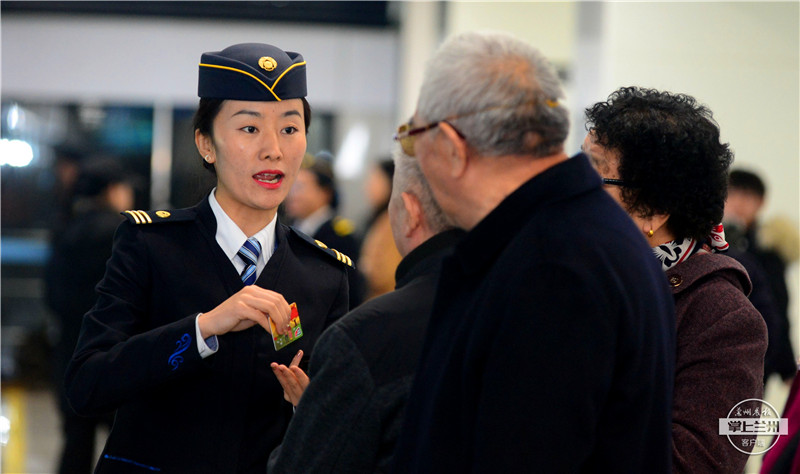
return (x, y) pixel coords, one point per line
(661, 158)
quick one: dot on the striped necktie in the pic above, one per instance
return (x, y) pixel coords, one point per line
(249, 253)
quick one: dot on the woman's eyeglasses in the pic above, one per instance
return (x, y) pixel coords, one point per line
(614, 182)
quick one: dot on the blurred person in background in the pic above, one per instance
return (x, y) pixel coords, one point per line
(181, 337)
(379, 256)
(68, 158)
(551, 343)
(784, 455)
(661, 159)
(102, 189)
(312, 204)
(349, 416)
(746, 194)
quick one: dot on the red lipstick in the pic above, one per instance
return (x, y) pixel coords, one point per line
(270, 179)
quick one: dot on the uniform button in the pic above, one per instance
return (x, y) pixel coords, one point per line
(675, 280)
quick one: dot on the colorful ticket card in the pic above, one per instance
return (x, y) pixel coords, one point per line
(295, 330)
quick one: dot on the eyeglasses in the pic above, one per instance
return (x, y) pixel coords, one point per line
(407, 136)
(619, 182)
(614, 182)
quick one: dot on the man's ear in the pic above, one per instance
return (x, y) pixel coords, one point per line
(205, 146)
(457, 150)
(413, 213)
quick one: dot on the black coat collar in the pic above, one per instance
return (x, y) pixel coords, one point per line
(490, 236)
(426, 256)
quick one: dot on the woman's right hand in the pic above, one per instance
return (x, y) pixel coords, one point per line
(250, 306)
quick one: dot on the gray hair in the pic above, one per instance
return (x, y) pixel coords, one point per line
(408, 178)
(504, 91)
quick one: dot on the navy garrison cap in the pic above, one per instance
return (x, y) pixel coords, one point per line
(252, 71)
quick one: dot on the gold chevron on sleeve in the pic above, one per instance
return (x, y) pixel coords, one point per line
(140, 217)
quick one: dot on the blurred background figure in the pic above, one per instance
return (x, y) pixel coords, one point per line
(101, 191)
(771, 246)
(379, 256)
(312, 206)
(784, 456)
(66, 168)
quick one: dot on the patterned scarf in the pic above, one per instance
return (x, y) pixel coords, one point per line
(676, 251)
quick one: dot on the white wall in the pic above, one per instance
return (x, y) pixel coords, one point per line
(148, 60)
(550, 26)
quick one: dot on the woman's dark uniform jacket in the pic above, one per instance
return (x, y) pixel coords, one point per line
(137, 351)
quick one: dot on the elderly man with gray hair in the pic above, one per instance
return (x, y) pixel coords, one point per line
(348, 417)
(551, 344)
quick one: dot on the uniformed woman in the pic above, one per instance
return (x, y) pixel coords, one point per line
(179, 341)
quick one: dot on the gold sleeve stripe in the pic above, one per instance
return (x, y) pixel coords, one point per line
(342, 257)
(135, 216)
(339, 255)
(270, 89)
(140, 217)
(145, 216)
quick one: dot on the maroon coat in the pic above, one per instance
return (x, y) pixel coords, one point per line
(721, 341)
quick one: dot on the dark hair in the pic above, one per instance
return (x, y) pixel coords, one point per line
(670, 154)
(746, 181)
(209, 108)
(321, 166)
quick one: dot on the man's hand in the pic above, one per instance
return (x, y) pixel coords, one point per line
(293, 380)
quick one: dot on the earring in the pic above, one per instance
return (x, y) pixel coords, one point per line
(207, 157)
(650, 233)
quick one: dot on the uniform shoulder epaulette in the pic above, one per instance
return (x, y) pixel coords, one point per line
(155, 217)
(343, 227)
(321, 246)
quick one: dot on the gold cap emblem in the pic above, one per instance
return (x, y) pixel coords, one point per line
(267, 63)
(162, 214)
